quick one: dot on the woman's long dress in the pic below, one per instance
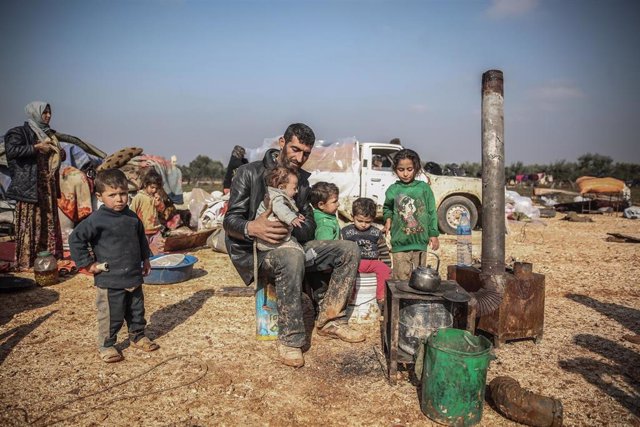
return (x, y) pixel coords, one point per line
(37, 225)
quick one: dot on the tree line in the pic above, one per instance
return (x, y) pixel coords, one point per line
(589, 164)
(203, 168)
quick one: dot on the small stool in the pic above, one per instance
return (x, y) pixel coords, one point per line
(266, 311)
(393, 295)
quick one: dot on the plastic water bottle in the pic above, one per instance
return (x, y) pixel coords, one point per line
(463, 241)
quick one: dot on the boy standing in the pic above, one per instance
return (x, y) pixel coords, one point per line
(371, 242)
(324, 199)
(120, 259)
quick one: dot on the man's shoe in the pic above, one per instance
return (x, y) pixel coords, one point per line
(290, 356)
(341, 332)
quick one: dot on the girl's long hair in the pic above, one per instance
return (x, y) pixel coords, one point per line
(406, 153)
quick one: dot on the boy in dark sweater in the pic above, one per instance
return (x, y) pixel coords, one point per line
(119, 261)
(372, 243)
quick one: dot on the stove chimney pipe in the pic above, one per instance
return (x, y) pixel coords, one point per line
(493, 225)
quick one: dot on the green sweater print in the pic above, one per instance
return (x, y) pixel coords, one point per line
(412, 209)
(327, 227)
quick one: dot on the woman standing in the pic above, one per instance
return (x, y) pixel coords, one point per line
(33, 154)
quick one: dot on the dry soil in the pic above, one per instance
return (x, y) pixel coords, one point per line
(211, 370)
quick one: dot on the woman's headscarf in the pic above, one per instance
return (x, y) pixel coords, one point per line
(34, 112)
(238, 151)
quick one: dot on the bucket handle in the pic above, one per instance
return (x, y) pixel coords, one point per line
(491, 354)
(468, 340)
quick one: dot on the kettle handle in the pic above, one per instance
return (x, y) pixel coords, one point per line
(438, 258)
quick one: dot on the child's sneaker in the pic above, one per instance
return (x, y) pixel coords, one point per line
(145, 344)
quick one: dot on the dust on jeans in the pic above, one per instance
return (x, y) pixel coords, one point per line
(342, 280)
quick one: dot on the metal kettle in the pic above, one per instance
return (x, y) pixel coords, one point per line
(426, 279)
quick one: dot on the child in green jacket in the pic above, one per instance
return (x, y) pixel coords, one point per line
(410, 215)
(324, 199)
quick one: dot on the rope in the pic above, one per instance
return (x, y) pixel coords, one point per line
(204, 370)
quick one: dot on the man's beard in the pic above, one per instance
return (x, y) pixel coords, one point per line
(285, 162)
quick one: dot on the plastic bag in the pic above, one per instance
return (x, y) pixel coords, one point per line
(216, 241)
(632, 212)
(199, 200)
(521, 205)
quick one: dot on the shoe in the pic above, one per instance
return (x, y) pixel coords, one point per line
(144, 344)
(341, 332)
(110, 355)
(290, 356)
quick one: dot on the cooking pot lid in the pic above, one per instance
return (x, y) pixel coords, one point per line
(445, 286)
(456, 295)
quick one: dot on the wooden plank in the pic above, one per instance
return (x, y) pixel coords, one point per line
(235, 291)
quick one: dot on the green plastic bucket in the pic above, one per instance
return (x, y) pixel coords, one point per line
(454, 376)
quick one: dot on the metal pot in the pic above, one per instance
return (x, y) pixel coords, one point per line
(426, 279)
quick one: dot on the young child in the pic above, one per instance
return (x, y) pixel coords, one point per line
(282, 187)
(371, 241)
(376, 162)
(410, 215)
(324, 199)
(147, 204)
(119, 260)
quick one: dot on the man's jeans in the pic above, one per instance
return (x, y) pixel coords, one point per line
(286, 268)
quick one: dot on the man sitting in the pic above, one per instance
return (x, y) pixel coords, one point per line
(287, 266)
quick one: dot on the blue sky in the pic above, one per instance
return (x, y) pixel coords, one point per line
(198, 77)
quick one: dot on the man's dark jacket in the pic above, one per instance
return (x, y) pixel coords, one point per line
(248, 189)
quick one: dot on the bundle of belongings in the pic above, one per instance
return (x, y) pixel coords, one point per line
(606, 192)
(135, 165)
(590, 184)
(206, 212)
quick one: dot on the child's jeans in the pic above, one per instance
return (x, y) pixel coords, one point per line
(382, 270)
(115, 306)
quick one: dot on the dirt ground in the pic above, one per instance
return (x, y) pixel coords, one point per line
(212, 371)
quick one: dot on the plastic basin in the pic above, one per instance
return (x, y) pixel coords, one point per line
(174, 274)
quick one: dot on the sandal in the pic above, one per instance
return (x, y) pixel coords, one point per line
(110, 355)
(145, 344)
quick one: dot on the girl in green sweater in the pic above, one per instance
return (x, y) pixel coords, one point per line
(410, 215)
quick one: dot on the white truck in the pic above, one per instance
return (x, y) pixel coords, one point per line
(348, 163)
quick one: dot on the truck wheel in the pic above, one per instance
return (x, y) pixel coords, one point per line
(450, 210)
